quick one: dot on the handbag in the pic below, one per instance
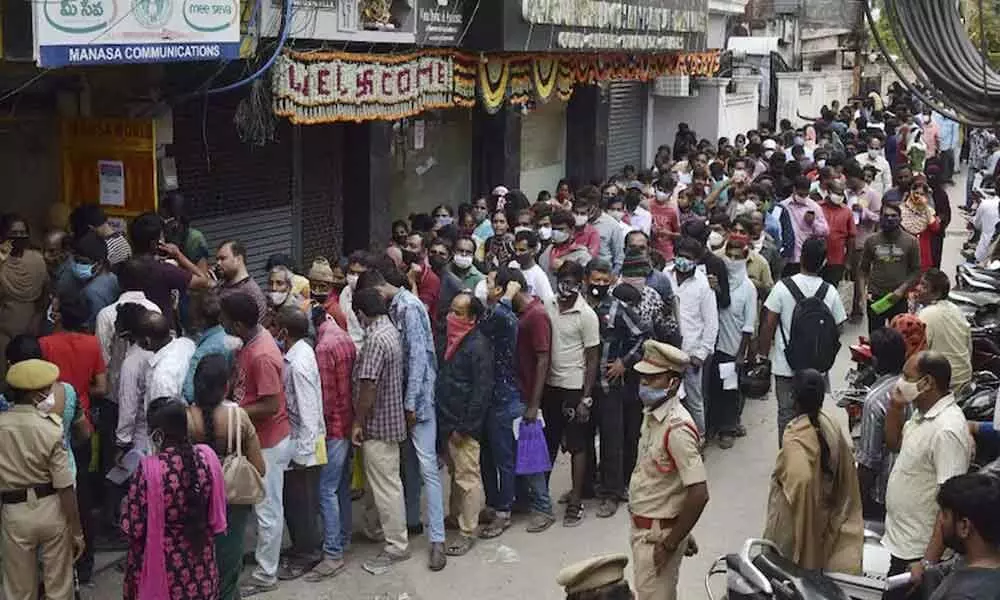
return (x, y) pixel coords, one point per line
(244, 484)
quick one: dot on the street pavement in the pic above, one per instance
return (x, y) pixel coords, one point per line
(523, 565)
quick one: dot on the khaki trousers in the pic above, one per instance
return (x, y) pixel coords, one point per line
(466, 483)
(649, 585)
(384, 503)
(33, 528)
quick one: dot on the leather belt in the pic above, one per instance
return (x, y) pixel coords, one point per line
(19, 496)
(647, 523)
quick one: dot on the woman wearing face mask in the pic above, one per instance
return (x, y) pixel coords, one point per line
(175, 507)
(443, 215)
(499, 248)
(919, 219)
(23, 278)
(814, 507)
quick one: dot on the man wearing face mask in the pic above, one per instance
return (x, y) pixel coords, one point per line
(40, 513)
(637, 244)
(933, 446)
(698, 314)
(842, 230)
(526, 245)
(563, 248)
(462, 267)
(423, 282)
(807, 220)
(737, 324)
(567, 400)
(874, 157)
(91, 274)
(970, 527)
(903, 180)
(325, 285)
(889, 265)
(610, 234)
(585, 234)
(668, 490)
(280, 292)
(357, 263)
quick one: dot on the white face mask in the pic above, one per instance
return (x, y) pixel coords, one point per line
(462, 261)
(352, 281)
(909, 390)
(821, 163)
(715, 240)
(617, 215)
(837, 199)
(46, 405)
(580, 220)
(277, 298)
(559, 236)
(768, 153)
(873, 152)
(521, 228)
(545, 233)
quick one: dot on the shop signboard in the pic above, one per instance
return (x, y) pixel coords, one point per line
(588, 25)
(96, 32)
(440, 22)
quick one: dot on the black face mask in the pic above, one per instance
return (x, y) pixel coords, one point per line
(320, 298)
(889, 224)
(438, 262)
(599, 291)
(410, 257)
(954, 542)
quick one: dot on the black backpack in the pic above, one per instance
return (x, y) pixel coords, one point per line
(814, 339)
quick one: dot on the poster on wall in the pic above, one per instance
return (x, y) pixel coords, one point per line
(95, 32)
(111, 177)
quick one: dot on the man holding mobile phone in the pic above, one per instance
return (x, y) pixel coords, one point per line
(807, 219)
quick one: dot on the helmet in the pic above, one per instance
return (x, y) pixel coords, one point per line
(755, 379)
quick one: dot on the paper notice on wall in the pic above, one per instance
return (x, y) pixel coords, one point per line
(419, 129)
(112, 182)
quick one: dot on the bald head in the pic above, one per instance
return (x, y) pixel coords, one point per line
(55, 248)
(933, 364)
(154, 331)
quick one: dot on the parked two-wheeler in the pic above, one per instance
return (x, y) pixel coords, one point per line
(978, 400)
(859, 380)
(760, 572)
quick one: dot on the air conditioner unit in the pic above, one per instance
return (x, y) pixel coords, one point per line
(672, 86)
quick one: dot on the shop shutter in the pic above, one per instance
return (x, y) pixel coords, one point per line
(626, 124)
(234, 190)
(264, 232)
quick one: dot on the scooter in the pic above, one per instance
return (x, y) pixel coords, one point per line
(760, 572)
(859, 379)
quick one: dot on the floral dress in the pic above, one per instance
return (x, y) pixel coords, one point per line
(192, 573)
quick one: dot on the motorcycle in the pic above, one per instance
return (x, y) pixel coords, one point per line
(760, 572)
(978, 399)
(859, 379)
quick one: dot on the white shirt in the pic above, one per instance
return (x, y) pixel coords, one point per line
(698, 314)
(642, 220)
(304, 398)
(987, 216)
(935, 447)
(781, 302)
(106, 318)
(168, 368)
(538, 283)
(132, 403)
(883, 179)
(354, 328)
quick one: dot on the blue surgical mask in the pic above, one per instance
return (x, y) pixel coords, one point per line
(651, 396)
(83, 271)
(683, 264)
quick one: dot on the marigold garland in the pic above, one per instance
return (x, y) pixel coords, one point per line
(494, 75)
(544, 74)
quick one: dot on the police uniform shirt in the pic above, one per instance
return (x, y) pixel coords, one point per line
(33, 450)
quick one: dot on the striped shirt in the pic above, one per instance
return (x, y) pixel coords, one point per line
(119, 249)
(381, 361)
(871, 450)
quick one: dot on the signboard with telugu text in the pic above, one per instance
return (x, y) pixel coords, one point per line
(95, 32)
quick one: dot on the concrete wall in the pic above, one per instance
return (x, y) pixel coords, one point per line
(712, 114)
(716, 31)
(805, 93)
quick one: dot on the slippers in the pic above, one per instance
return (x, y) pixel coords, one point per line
(326, 569)
(496, 528)
(460, 546)
(253, 588)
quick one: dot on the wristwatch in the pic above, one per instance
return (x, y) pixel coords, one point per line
(927, 564)
(588, 402)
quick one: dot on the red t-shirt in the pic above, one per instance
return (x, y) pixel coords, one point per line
(258, 373)
(840, 220)
(79, 358)
(534, 335)
(428, 288)
(665, 220)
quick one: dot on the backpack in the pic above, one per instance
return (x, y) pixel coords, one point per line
(814, 339)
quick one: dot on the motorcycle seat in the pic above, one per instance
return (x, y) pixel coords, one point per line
(803, 584)
(978, 299)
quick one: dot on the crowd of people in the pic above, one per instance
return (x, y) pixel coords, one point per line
(176, 399)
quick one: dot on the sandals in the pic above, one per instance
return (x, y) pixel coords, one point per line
(289, 569)
(540, 522)
(573, 516)
(496, 528)
(460, 546)
(607, 509)
(326, 569)
(254, 587)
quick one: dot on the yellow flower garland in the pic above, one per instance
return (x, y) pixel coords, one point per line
(544, 74)
(494, 75)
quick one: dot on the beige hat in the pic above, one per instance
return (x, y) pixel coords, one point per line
(658, 357)
(593, 573)
(321, 270)
(32, 374)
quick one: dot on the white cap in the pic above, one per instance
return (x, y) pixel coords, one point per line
(770, 144)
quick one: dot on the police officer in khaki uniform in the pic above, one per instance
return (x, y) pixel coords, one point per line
(668, 490)
(597, 578)
(39, 514)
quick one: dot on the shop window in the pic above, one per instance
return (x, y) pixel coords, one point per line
(375, 15)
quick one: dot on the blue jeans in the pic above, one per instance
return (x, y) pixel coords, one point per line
(496, 459)
(535, 488)
(694, 399)
(420, 465)
(335, 498)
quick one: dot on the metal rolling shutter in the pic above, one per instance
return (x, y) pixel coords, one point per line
(234, 190)
(264, 232)
(626, 123)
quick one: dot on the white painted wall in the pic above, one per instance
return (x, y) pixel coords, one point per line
(543, 148)
(807, 92)
(712, 114)
(716, 31)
